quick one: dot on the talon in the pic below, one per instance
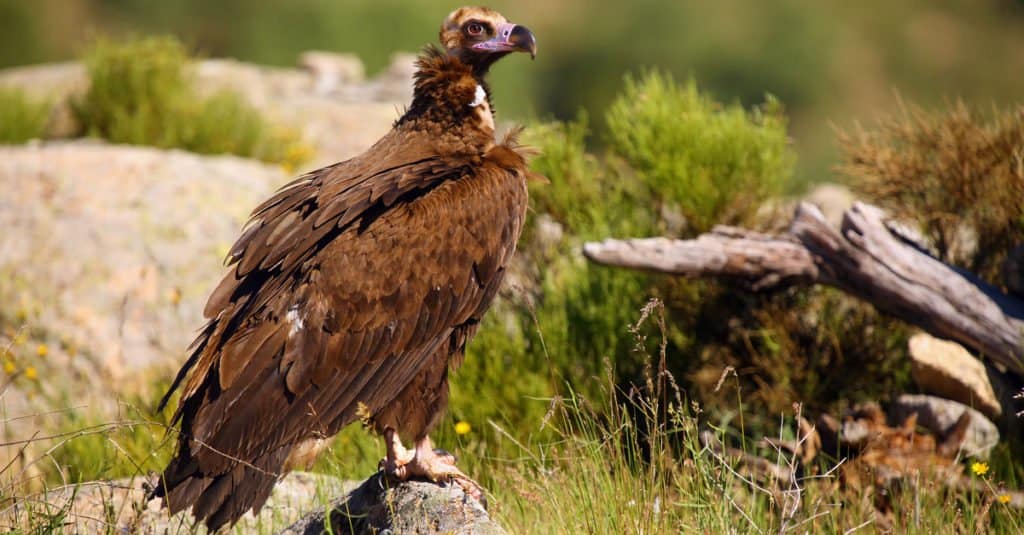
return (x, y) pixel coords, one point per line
(446, 456)
(436, 465)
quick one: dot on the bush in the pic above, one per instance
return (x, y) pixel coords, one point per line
(671, 149)
(717, 163)
(141, 93)
(567, 319)
(958, 173)
(21, 118)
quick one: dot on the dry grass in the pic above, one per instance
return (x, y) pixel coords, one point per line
(959, 172)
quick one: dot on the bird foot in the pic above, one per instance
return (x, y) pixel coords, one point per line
(435, 465)
(397, 455)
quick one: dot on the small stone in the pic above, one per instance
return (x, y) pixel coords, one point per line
(940, 415)
(946, 369)
(833, 200)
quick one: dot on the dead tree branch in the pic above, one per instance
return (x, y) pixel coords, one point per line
(863, 258)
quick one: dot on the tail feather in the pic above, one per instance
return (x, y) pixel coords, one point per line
(219, 499)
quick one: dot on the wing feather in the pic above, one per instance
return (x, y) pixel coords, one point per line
(345, 284)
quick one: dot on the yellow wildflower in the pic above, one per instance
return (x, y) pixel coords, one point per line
(979, 468)
(9, 367)
(462, 428)
(31, 373)
(1004, 499)
(42, 350)
(174, 295)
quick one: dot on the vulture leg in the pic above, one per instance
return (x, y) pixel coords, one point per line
(397, 455)
(435, 465)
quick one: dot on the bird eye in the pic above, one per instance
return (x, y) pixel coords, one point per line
(474, 28)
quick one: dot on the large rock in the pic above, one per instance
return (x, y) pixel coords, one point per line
(378, 506)
(941, 415)
(107, 255)
(112, 250)
(946, 369)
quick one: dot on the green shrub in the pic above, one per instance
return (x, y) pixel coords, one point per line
(958, 173)
(21, 118)
(590, 196)
(716, 163)
(673, 147)
(141, 92)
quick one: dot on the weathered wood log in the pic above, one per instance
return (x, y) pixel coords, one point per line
(863, 258)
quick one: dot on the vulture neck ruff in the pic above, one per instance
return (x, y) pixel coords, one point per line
(449, 98)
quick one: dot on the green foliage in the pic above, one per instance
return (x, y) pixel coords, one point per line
(717, 163)
(674, 148)
(21, 118)
(136, 90)
(585, 194)
(141, 92)
(958, 173)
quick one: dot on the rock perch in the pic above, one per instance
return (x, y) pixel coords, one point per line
(380, 507)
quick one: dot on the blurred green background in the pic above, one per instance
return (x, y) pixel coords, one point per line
(828, 61)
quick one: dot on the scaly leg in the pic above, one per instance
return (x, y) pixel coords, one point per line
(397, 455)
(435, 465)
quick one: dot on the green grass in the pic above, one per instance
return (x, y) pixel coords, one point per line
(630, 463)
(22, 118)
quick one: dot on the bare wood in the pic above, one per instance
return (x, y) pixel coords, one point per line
(863, 258)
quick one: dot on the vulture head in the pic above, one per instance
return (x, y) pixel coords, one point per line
(479, 36)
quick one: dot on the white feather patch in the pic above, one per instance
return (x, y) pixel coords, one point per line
(295, 320)
(481, 96)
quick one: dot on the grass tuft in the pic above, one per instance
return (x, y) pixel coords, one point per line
(21, 117)
(142, 93)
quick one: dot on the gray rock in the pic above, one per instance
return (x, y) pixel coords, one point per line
(331, 70)
(379, 507)
(107, 255)
(940, 415)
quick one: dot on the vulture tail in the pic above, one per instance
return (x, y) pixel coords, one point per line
(219, 499)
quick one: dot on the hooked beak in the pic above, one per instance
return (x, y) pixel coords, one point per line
(510, 38)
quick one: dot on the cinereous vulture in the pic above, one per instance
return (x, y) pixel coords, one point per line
(354, 290)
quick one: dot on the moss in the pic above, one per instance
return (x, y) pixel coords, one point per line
(21, 118)
(142, 92)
